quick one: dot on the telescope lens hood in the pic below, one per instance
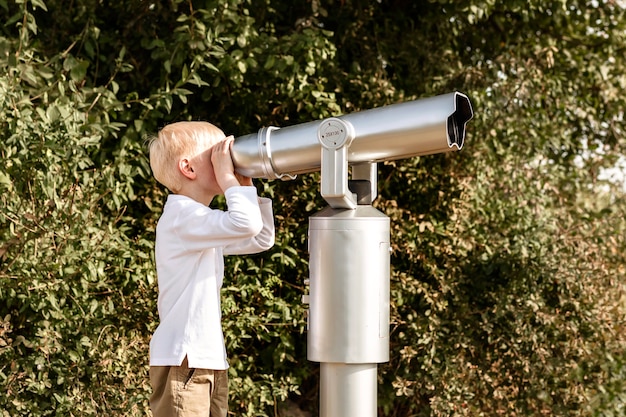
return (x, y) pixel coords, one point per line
(458, 120)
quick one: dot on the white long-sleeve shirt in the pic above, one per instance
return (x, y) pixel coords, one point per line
(191, 241)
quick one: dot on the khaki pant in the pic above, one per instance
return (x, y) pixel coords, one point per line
(180, 391)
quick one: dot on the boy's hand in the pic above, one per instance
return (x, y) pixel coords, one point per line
(243, 180)
(223, 164)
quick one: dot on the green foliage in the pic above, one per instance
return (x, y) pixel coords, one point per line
(508, 257)
(72, 272)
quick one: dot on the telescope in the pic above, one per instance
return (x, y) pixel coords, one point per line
(397, 131)
(349, 241)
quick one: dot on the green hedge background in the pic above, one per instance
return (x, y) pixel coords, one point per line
(508, 263)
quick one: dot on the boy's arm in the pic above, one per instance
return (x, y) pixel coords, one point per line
(198, 227)
(264, 240)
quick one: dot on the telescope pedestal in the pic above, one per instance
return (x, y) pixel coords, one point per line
(348, 306)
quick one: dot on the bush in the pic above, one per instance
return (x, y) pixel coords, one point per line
(508, 257)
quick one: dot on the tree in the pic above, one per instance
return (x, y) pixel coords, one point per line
(508, 262)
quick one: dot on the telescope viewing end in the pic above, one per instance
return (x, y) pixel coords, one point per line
(458, 120)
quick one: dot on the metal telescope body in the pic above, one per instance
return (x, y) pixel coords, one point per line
(349, 241)
(398, 131)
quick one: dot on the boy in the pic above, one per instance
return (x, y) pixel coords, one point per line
(188, 364)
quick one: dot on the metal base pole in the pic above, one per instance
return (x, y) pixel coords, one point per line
(348, 390)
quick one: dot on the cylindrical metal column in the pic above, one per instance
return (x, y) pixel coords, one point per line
(348, 389)
(348, 306)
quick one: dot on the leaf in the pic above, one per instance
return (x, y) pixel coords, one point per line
(79, 71)
(5, 180)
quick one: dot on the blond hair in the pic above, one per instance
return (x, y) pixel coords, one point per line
(176, 141)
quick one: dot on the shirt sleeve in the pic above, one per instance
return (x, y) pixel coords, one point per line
(263, 240)
(199, 227)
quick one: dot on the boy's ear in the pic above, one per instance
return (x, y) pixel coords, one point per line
(185, 168)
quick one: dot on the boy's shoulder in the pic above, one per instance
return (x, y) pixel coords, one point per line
(175, 204)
